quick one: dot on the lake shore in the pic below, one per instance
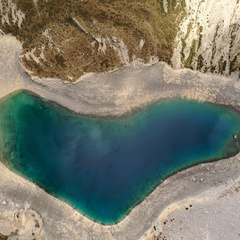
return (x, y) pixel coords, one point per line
(114, 94)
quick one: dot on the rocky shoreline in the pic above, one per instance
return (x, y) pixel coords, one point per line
(114, 94)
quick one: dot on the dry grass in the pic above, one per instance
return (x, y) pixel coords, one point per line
(72, 53)
(3, 237)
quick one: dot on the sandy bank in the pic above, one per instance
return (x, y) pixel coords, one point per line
(136, 86)
(116, 93)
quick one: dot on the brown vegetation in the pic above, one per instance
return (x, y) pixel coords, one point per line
(69, 52)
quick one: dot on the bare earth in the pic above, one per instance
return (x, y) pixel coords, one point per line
(211, 189)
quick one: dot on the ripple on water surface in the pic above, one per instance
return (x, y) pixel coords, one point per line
(104, 167)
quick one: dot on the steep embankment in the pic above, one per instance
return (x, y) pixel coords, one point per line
(68, 39)
(209, 37)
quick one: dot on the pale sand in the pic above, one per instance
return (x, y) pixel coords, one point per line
(213, 214)
(117, 93)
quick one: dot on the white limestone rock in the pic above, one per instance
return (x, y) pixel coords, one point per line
(22, 224)
(209, 36)
(10, 13)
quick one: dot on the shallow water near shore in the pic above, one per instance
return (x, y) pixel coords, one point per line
(104, 167)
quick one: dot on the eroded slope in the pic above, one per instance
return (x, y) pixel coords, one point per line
(209, 37)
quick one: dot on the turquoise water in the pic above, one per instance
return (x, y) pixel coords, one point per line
(104, 167)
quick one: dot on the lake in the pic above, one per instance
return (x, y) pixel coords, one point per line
(104, 167)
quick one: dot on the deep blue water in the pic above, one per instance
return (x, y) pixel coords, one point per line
(104, 167)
